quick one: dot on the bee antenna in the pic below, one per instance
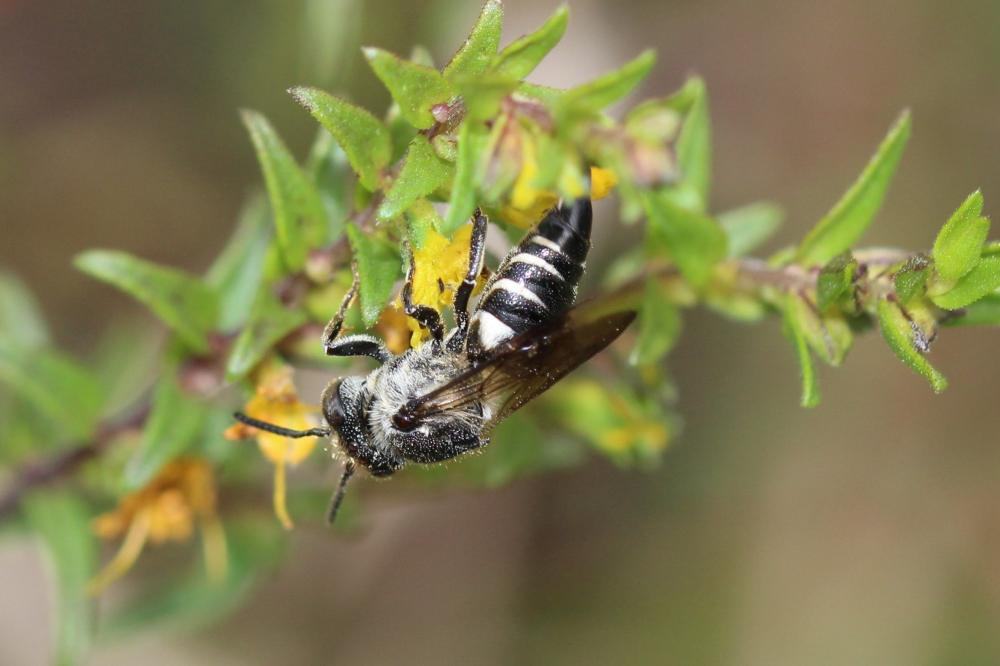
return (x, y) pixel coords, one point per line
(338, 494)
(278, 430)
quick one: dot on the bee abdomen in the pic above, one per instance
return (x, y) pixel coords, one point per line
(537, 281)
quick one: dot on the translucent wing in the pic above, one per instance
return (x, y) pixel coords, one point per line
(523, 367)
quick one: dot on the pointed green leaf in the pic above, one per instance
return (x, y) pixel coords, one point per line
(62, 522)
(911, 278)
(980, 281)
(694, 143)
(810, 384)
(415, 88)
(21, 320)
(56, 385)
(172, 428)
(828, 336)
(237, 272)
(852, 215)
(748, 227)
(299, 216)
(959, 243)
(606, 90)
(482, 95)
(421, 218)
(694, 241)
(545, 94)
(481, 46)
(269, 323)
(984, 312)
(423, 172)
(181, 301)
(659, 325)
(834, 280)
(472, 141)
(329, 168)
(521, 57)
(378, 269)
(898, 333)
(363, 137)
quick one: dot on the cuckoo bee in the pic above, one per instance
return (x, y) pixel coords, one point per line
(442, 399)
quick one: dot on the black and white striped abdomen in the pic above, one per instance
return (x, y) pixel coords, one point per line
(537, 281)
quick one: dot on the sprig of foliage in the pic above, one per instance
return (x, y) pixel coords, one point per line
(472, 134)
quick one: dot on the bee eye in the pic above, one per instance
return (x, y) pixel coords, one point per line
(333, 408)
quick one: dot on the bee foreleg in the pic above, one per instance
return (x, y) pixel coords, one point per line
(426, 316)
(332, 329)
(359, 345)
(477, 248)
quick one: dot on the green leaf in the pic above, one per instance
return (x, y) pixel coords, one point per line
(299, 216)
(829, 337)
(236, 274)
(482, 95)
(416, 88)
(980, 281)
(898, 333)
(254, 548)
(911, 278)
(694, 241)
(62, 523)
(420, 219)
(378, 269)
(364, 138)
(545, 94)
(850, 217)
(173, 426)
(984, 312)
(21, 320)
(422, 173)
(270, 321)
(606, 90)
(659, 325)
(329, 168)
(57, 386)
(694, 143)
(481, 46)
(181, 301)
(521, 57)
(834, 280)
(748, 227)
(472, 141)
(958, 245)
(810, 384)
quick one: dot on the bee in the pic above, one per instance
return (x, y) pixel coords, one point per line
(443, 398)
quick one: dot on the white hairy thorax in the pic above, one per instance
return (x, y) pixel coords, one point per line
(415, 373)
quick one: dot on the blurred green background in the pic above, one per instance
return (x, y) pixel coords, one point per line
(866, 531)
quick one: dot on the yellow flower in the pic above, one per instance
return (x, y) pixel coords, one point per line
(602, 182)
(276, 401)
(528, 204)
(439, 268)
(393, 327)
(165, 510)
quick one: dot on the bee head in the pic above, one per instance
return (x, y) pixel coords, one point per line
(344, 409)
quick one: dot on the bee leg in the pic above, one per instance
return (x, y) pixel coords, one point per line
(426, 316)
(477, 249)
(332, 329)
(440, 449)
(359, 345)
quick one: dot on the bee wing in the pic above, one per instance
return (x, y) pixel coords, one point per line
(524, 366)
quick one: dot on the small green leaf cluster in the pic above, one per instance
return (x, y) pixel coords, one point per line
(374, 188)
